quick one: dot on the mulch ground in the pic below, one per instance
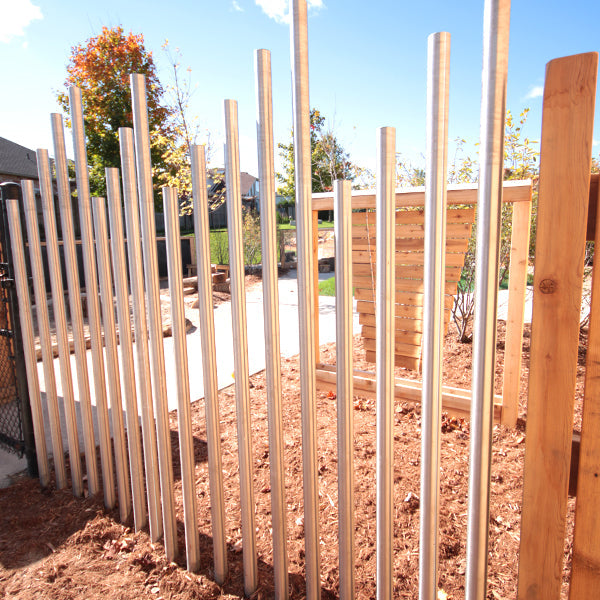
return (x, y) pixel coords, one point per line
(53, 545)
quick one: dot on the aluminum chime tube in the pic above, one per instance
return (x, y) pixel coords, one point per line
(41, 306)
(240, 344)
(25, 314)
(496, 24)
(266, 176)
(209, 361)
(385, 334)
(134, 254)
(342, 194)
(438, 75)
(159, 385)
(306, 285)
(92, 296)
(72, 275)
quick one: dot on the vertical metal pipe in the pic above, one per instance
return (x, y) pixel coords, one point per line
(91, 291)
(41, 307)
(342, 193)
(112, 360)
(72, 272)
(209, 361)
(136, 275)
(306, 308)
(438, 74)
(270, 277)
(159, 384)
(240, 343)
(58, 301)
(385, 334)
(117, 238)
(184, 417)
(489, 211)
(25, 316)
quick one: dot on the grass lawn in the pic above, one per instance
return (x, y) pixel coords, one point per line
(327, 287)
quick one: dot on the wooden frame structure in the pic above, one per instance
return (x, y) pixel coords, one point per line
(456, 401)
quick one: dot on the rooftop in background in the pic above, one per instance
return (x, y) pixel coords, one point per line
(16, 160)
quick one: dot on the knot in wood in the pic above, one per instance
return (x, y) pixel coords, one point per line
(548, 286)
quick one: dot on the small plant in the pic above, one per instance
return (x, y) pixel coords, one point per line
(252, 241)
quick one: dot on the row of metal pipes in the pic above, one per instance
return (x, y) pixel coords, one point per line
(148, 389)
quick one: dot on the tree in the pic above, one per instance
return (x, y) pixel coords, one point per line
(101, 67)
(184, 132)
(520, 162)
(328, 158)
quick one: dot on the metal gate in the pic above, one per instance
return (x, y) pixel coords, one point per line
(15, 414)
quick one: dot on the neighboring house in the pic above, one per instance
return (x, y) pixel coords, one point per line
(17, 163)
(216, 196)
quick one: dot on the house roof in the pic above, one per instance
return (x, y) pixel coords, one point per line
(17, 160)
(216, 181)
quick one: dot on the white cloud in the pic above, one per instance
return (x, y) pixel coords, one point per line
(16, 16)
(536, 91)
(236, 6)
(279, 9)
(595, 142)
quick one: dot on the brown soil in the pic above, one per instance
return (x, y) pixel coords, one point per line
(55, 546)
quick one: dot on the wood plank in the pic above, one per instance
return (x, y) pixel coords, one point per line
(453, 259)
(400, 348)
(415, 244)
(454, 215)
(585, 574)
(406, 337)
(453, 230)
(402, 310)
(408, 271)
(454, 400)
(412, 298)
(402, 285)
(517, 288)
(399, 361)
(566, 149)
(465, 193)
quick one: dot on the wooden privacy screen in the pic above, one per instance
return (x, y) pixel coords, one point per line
(410, 232)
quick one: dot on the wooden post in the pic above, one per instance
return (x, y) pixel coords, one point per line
(566, 149)
(585, 578)
(517, 287)
(315, 245)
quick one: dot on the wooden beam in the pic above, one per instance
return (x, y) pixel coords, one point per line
(455, 401)
(566, 149)
(514, 191)
(517, 288)
(585, 577)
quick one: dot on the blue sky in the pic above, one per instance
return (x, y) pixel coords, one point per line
(367, 62)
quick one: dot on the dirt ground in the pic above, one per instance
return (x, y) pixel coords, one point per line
(53, 545)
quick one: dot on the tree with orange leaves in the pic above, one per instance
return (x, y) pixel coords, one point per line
(101, 66)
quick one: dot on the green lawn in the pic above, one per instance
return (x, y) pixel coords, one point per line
(327, 287)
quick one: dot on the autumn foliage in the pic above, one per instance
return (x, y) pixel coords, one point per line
(101, 67)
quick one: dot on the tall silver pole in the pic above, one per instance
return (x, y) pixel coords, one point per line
(270, 277)
(58, 302)
(438, 74)
(159, 384)
(385, 338)
(91, 290)
(342, 193)
(25, 314)
(184, 417)
(72, 272)
(496, 24)
(306, 308)
(240, 344)
(209, 362)
(41, 307)
(112, 360)
(136, 466)
(136, 276)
